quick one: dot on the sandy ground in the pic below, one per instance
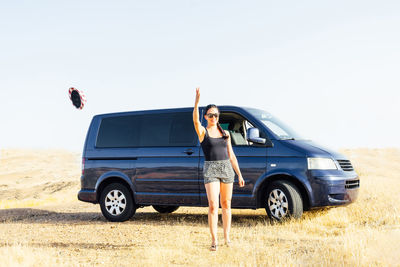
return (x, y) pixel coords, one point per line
(43, 223)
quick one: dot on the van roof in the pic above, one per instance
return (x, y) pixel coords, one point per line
(181, 109)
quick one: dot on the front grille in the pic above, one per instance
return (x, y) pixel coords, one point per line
(350, 184)
(345, 165)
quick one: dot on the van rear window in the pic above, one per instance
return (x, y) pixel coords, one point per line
(165, 129)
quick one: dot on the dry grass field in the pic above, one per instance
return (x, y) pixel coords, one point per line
(43, 224)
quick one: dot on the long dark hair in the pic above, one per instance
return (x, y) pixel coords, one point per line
(224, 135)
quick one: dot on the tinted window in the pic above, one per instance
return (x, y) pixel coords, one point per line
(118, 132)
(154, 129)
(165, 129)
(182, 130)
(170, 129)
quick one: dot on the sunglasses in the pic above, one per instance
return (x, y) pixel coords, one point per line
(210, 115)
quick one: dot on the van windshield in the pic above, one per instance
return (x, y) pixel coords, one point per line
(280, 129)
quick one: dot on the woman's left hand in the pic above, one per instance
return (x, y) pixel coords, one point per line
(241, 181)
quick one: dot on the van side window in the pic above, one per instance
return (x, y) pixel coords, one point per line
(182, 130)
(154, 130)
(169, 129)
(118, 132)
(147, 130)
(237, 127)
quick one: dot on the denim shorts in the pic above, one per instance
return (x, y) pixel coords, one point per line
(218, 170)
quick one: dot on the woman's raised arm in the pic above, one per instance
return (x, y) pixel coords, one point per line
(196, 117)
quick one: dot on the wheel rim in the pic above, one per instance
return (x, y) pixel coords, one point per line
(278, 204)
(115, 202)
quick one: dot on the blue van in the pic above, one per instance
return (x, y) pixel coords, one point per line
(153, 157)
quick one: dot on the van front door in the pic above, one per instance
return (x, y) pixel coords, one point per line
(252, 159)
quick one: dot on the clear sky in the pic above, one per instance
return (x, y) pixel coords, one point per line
(330, 69)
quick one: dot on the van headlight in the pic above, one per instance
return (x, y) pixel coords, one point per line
(321, 164)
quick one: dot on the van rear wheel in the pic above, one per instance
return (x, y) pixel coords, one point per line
(116, 203)
(165, 209)
(283, 200)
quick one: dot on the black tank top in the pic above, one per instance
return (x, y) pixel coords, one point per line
(214, 148)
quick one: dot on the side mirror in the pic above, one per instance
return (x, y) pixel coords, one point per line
(253, 135)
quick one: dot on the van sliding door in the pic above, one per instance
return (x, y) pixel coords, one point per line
(168, 157)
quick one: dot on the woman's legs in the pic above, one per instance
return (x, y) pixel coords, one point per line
(226, 197)
(212, 196)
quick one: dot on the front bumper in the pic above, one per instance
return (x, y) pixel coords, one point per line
(87, 195)
(333, 189)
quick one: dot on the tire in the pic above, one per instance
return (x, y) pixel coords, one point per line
(165, 209)
(283, 200)
(116, 203)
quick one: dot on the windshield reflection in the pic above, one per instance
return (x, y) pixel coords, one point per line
(280, 129)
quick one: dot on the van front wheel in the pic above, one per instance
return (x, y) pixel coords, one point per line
(165, 209)
(116, 203)
(283, 200)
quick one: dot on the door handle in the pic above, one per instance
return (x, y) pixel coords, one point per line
(188, 151)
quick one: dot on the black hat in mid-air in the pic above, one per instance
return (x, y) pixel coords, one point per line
(77, 97)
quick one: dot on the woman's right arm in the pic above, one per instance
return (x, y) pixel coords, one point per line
(196, 117)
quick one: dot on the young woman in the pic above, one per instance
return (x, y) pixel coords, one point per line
(217, 170)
